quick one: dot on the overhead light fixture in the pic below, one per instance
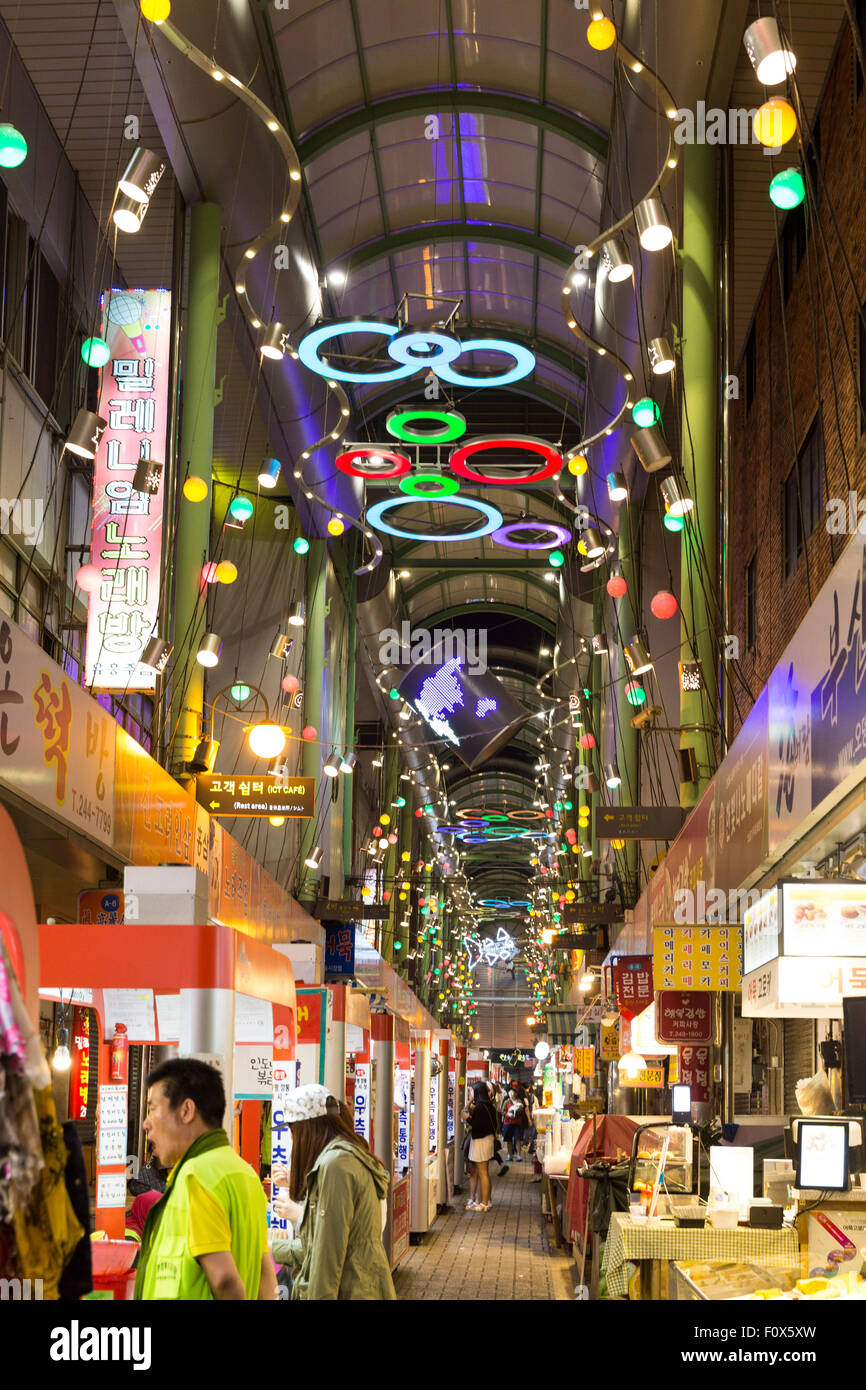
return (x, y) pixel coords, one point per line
(631, 1064)
(787, 189)
(141, 175)
(273, 345)
(335, 279)
(61, 1060)
(542, 1049)
(13, 147)
(661, 357)
(205, 756)
(617, 490)
(347, 764)
(269, 473)
(147, 477)
(281, 646)
(593, 543)
(267, 740)
(652, 225)
(676, 501)
(210, 650)
(592, 783)
(156, 654)
(129, 213)
(768, 54)
(87, 430)
(646, 412)
(637, 657)
(314, 858)
(611, 774)
(296, 616)
(332, 766)
(651, 448)
(617, 260)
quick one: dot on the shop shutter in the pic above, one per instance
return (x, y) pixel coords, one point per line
(799, 1057)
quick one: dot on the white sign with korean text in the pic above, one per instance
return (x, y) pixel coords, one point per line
(761, 931)
(254, 1071)
(802, 987)
(134, 1008)
(127, 523)
(112, 1147)
(113, 1107)
(362, 1100)
(110, 1190)
(254, 1019)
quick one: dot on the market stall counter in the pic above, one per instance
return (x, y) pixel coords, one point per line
(653, 1243)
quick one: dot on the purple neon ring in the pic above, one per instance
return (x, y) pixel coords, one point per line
(562, 536)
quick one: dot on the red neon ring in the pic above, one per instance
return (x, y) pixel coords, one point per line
(457, 460)
(402, 464)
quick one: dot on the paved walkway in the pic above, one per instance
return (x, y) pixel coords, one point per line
(506, 1253)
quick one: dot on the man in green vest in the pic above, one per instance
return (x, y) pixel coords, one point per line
(207, 1236)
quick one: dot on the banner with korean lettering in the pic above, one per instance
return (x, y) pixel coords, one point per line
(701, 957)
(633, 984)
(695, 1072)
(127, 523)
(56, 743)
(684, 1016)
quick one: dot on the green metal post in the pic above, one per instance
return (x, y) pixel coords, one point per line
(596, 684)
(626, 736)
(349, 733)
(389, 859)
(196, 458)
(314, 672)
(700, 414)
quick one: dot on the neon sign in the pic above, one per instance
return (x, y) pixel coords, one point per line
(376, 517)
(500, 949)
(412, 351)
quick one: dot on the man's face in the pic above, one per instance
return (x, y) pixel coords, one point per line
(169, 1131)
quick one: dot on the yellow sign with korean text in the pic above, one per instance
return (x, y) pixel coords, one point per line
(610, 1042)
(652, 1077)
(584, 1061)
(697, 957)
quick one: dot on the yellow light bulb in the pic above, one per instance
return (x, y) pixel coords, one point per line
(156, 10)
(578, 465)
(335, 526)
(775, 122)
(601, 34)
(195, 489)
(226, 572)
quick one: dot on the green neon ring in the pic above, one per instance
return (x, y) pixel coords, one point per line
(446, 486)
(453, 426)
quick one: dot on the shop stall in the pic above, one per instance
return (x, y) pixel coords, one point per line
(210, 991)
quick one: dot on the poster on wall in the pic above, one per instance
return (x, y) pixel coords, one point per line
(127, 522)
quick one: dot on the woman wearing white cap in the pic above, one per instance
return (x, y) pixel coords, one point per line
(339, 1253)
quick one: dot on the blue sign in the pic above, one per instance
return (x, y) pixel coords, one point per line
(340, 949)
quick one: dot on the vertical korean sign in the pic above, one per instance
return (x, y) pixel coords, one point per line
(127, 524)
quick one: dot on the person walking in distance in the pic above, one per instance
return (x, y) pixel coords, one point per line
(512, 1122)
(480, 1116)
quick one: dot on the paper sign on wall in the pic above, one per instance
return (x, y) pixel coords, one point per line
(112, 1146)
(110, 1190)
(113, 1101)
(133, 1008)
(254, 1068)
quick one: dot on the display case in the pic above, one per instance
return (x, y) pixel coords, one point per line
(662, 1155)
(719, 1281)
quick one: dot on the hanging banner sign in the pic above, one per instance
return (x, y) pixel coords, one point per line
(695, 1072)
(362, 1100)
(79, 1076)
(703, 958)
(127, 523)
(610, 1042)
(584, 1061)
(56, 743)
(633, 984)
(340, 950)
(684, 1016)
(292, 797)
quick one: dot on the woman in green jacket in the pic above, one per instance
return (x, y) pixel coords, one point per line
(339, 1253)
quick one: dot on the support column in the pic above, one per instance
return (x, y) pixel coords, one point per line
(626, 736)
(389, 858)
(700, 385)
(597, 675)
(419, 1194)
(196, 458)
(444, 1188)
(349, 738)
(314, 672)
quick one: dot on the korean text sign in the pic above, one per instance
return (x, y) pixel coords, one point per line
(633, 984)
(701, 957)
(684, 1016)
(340, 949)
(127, 524)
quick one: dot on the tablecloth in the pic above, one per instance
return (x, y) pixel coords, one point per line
(661, 1240)
(613, 1136)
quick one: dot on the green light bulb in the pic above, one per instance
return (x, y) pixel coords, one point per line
(556, 559)
(645, 412)
(787, 189)
(674, 523)
(241, 508)
(95, 352)
(300, 545)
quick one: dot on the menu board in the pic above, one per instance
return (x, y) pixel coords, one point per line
(824, 919)
(697, 958)
(761, 931)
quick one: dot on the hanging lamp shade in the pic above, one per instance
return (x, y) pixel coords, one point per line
(593, 543)
(651, 448)
(141, 175)
(269, 473)
(663, 604)
(617, 488)
(156, 654)
(617, 259)
(661, 358)
(210, 650)
(769, 55)
(676, 501)
(88, 578)
(652, 224)
(87, 430)
(267, 740)
(637, 657)
(95, 352)
(128, 213)
(616, 586)
(273, 345)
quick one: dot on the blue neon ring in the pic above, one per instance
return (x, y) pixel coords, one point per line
(436, 349)
(375, 515)
(524, 363)
(308, 351)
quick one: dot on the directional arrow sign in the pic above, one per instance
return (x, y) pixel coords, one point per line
(638, 822)
(590, 913)
(233, 795)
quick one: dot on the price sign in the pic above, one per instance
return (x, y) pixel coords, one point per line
(113, 1107)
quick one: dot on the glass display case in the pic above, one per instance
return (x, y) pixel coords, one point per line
(662, 1156)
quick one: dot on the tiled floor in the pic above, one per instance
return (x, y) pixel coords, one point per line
(506, 1253)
